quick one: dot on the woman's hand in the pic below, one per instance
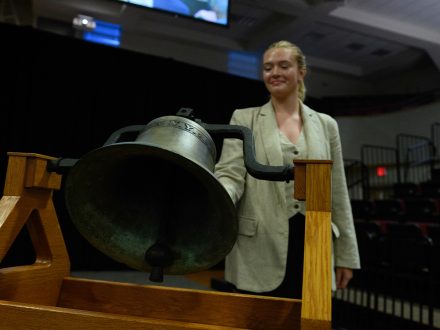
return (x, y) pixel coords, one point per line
(343, 276)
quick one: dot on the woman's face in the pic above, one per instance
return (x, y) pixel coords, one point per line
(280, 72)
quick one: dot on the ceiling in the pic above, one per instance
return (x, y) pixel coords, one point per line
(356, 38)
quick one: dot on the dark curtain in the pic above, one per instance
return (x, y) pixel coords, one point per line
(63, 97)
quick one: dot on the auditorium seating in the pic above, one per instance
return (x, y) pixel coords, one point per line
(430, 189)
(406, 189)
(397, 222)
(389, 209)
(369, 235)
(363, 209)
(433, 231)
(421, 209)
(399, 246)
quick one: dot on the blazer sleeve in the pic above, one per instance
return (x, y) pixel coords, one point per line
(345, 246)
(230, 169)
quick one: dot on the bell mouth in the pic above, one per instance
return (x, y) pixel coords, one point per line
(125, 197)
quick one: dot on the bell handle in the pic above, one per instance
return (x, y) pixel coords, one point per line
(116, 135)
(257, 170)
(63, 165)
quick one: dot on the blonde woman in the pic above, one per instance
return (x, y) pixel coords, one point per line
(268, 255)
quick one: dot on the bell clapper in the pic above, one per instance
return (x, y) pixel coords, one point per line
(158, 256)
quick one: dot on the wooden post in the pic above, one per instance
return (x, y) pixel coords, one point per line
(313, 184)
(27, 200)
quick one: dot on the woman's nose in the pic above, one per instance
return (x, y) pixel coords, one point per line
(275, 71)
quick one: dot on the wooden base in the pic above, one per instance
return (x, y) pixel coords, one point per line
(91, 304)
(44, 296)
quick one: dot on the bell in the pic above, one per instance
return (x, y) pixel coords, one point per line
(154, 204)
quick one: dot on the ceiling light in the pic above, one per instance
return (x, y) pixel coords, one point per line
(85, 23)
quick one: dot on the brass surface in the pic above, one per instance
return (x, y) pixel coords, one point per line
(125, 197)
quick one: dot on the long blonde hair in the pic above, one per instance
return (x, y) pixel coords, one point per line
(300, 60)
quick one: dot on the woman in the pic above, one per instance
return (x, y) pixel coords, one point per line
(267, 257)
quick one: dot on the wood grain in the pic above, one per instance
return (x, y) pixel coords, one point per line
(317, 274)
(21, 316)
(30, 203)
(184, 305)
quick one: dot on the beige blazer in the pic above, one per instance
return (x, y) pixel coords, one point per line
(257, 261)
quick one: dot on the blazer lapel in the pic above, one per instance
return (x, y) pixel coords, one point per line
(270, 140)
(316, 139)
(269, 135)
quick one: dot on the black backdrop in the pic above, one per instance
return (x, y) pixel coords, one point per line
(63, 97)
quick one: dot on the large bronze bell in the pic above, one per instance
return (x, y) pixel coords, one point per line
(154, 203)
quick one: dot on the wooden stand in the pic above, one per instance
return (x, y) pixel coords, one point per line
(44, 296)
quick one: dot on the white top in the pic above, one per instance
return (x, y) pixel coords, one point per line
(290, 152)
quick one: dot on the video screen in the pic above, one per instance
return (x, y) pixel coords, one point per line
(213, 11)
